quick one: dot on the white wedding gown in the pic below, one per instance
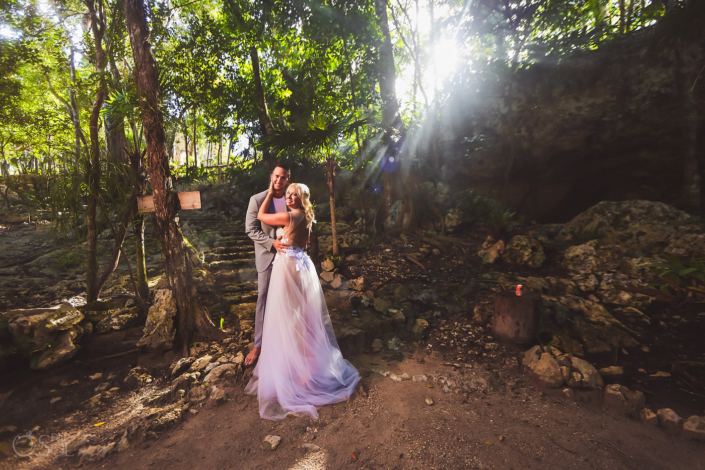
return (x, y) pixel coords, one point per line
(300, 366)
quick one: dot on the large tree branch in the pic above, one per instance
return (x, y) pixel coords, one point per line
(69, 109)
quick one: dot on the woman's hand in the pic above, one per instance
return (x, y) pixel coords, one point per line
(271, 187)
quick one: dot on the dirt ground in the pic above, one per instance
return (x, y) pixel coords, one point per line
(389, 425)
(517, 427)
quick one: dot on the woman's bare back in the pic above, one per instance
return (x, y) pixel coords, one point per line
(297, 232)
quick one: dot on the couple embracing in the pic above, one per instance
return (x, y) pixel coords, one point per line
(299, 364)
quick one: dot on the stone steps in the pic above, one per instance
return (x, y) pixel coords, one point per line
(224, 250)
(234, 299)
(231, 265)
(240, 254)
(232, 262)
(235, 240)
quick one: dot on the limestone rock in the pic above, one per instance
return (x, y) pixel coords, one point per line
(648, 417)
(395, 211)
(482, 314)
(546, 371)
(271, 442)
(381, 305)
(377, 345)
(308, 447)
(159, 331)
(117, 320)
(137, 377)
(611, 371)
(337, 282)
(221, 372)
(393, 293)
(397, 315)
(694, 428)
(327, 265)
(591, 379)
(429, 401)
(580, 258)
(490, 251)
(357, 284)
(619, 398)
(524, 251)
(64, 318)
(61, 350)
(200, 363)
(531, 357)
(95, 453)
(239, 358)
(216, 396)
(181, 365)
(420, 326)
(395, 344)
(453, 220)
(328, 276)
(183, 382)
(197, 395)
(641, 226)
(669, 420)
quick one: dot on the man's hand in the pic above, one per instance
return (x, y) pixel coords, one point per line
(279, 245)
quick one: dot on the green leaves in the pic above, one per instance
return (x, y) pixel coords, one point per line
(680, 278)
(319, 137)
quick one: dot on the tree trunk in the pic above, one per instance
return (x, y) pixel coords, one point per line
(139, 187)
(691, 165)
(387, 72)
(390, 107)
(115, 138)
(330, 173)
(74, 113)
(141, 266)
(265, 122)
(630, 12)
(119, 240)
(195, 156)
(94, 170)
(220, 154)
(192, 320)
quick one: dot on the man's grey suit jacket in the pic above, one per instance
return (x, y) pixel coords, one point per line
(262, 234)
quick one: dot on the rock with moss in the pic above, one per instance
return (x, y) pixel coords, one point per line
(491, 250)
(159, 331)
(524, 251)
(119, 320)
(453, 220)
(638, 225)
(585, 323)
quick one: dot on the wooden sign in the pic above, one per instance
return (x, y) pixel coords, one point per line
(189, 200)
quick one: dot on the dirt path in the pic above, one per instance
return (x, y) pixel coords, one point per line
(393, 427)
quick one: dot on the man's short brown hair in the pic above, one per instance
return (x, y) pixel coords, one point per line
(283, 166)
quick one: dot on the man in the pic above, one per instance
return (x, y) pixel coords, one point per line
(267, 244)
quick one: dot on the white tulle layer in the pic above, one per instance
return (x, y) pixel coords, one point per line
(300, 366)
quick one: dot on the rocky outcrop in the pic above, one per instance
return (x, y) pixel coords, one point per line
(48, 336)
(159, 332)
(554, 369)
(524, 251)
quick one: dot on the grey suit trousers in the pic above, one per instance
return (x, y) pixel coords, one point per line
(262, 288)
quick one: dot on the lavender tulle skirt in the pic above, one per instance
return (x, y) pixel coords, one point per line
(300, 366)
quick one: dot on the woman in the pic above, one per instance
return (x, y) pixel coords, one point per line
(300, 366)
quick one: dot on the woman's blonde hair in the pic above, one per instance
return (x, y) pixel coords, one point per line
(304, 194)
